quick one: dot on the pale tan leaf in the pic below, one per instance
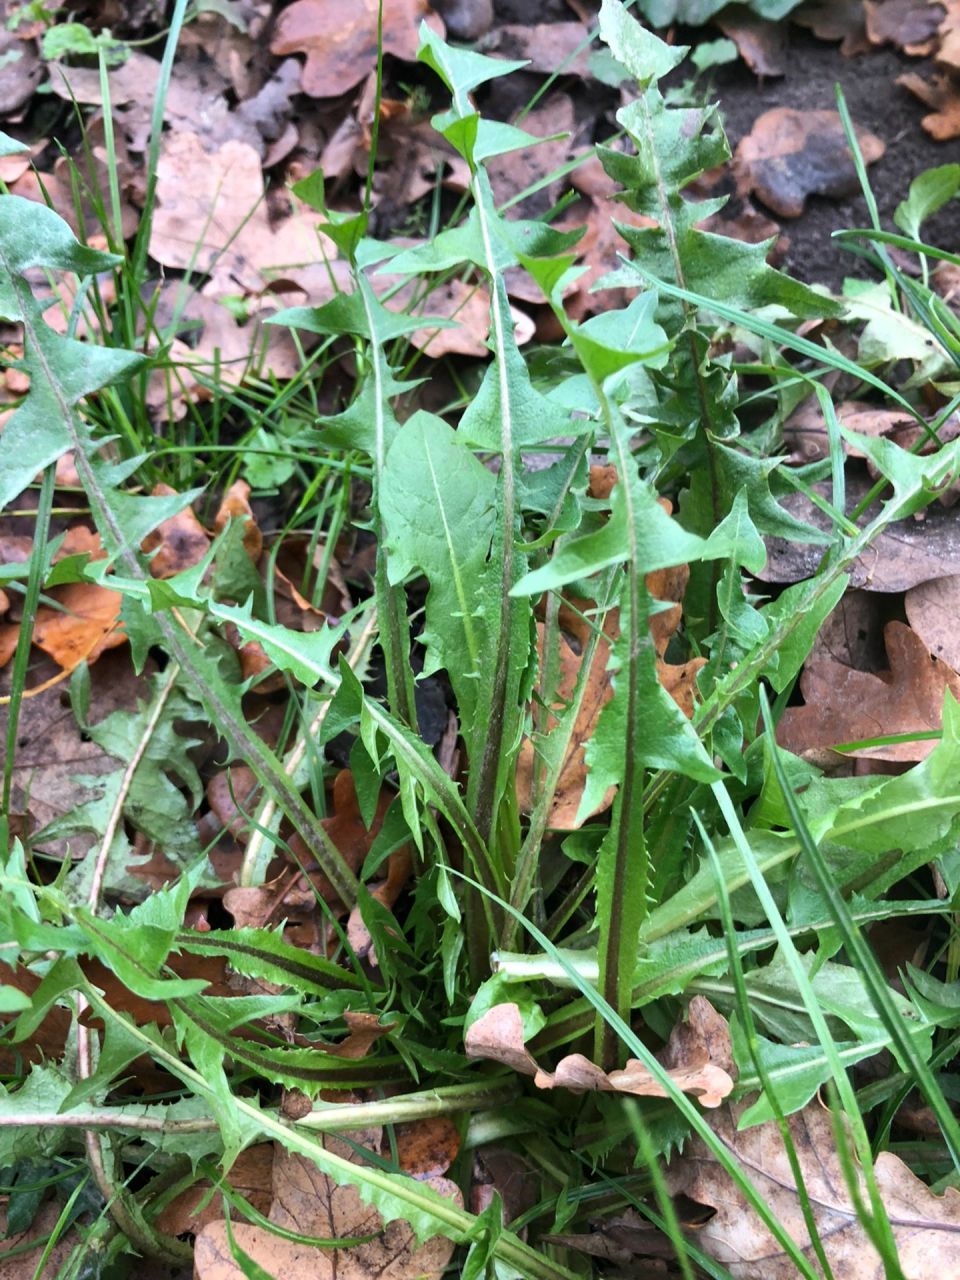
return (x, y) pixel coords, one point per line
(498, 1035)
(926, 1227)
(307, 1202)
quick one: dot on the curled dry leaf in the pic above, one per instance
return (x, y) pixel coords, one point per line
(498, 1035)
(790, 155)
(235, 505)
(339, 38)
(926, 1227)
(843, 705)
(307, 1202)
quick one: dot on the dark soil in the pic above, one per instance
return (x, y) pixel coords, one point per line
(876, 103)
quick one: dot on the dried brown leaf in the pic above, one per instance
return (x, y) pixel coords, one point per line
(498, 1035)
(909, 24)
(84, 625)
(20, 72)
(933, 609)
(835, 20)
(236, 506)
(211, 216)
(427, 1148)
(176, 544)
(926, 1227)
(517, 170)
(339, 38)
(844, 705)
(251, 1174)
(942, 94)
(762, 44)
(574, 633)
(790, 155)
(548, 47)
(905, 553)
(307, 1202)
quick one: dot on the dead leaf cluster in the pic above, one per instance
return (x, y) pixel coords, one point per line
(698, 1057)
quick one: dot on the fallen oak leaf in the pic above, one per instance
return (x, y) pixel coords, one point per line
(498, 1035)
(925, 1226)
(844, 705)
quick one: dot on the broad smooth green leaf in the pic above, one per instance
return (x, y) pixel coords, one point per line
(928, 192)
(437, 504)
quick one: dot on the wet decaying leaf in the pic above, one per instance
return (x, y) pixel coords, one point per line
(926, 1227)
(698, 1057)
(307, 1202)
(790, 155)
(844, 705)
